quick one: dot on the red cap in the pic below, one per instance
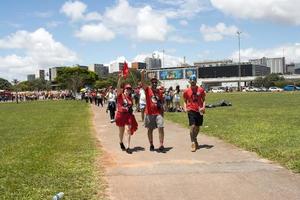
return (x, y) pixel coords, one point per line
(127, 86)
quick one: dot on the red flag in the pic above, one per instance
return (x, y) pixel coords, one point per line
(125, 70)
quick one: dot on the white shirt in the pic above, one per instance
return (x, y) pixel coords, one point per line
(112, 97)
(142, 96)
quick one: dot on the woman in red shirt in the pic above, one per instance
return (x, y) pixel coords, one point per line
(124, 116)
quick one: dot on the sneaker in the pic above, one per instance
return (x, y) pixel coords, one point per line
(161, 148)
(122, 146)
(112, 121)
(128, 151)
(197, 145)
(151, 147)
(193, 147)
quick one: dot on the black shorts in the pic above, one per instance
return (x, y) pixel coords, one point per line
(195, 118)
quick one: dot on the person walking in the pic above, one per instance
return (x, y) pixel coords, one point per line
(111, 107)
(124, 116)
(154, 112)
(177, 99)
(194, 105)
(142, 101)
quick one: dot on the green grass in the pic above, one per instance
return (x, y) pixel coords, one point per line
(267, 123)
(46, 148)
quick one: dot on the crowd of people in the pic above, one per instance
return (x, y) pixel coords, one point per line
(152, 101)
(6, 96)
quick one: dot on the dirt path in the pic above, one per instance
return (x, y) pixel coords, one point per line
(217, 171)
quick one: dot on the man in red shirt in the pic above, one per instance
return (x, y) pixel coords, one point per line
(154, 112)
(194, 104)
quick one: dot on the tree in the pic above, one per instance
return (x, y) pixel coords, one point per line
(74, 78)
(269, 80)
(5, 84)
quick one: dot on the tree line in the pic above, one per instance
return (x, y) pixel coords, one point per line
(274, 80)
(71, 78)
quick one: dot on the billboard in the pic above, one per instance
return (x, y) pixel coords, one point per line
(189, 72)
(171, 74)
(151, 74)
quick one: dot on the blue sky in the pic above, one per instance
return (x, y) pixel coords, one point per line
(37, 34)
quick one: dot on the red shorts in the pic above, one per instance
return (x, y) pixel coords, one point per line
(124, 118)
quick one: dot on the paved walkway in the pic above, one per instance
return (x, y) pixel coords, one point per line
(217, 171)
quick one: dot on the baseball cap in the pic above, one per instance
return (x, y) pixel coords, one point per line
(127, 86)
(193, 78)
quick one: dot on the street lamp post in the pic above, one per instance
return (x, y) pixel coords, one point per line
(239, 82)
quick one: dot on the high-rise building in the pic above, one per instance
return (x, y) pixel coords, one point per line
(99, 69)
(277, 65)
(153, 63)
(138, 65)
(115, 67)
(30, 77)
(53, 73)
(212, 63)
(297, 68)
(290, 68)
(40, 74)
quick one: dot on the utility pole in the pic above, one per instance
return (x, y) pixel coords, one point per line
(163, 59)
(239, 82)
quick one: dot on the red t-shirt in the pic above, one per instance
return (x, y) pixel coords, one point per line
(124, 103)
(194, 98)
(154, 101)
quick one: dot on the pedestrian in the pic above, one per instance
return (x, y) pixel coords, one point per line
(111, 106)
(177, 99)
(154, 111)
(194, 105)
(124, 116)
(142, 102)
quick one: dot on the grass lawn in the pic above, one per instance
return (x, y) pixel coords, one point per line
(267, 123)
(46, 148)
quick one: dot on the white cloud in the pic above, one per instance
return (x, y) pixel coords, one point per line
(40, 51)
(184, 8)
(284, 11)
(53, 24)
(180, 39)
(183, 22)
(95, 32)
(167, 60)
(76, 10)
(122, 14)
(93, 16)
(151, 25)
(291, 53)
(218, 32)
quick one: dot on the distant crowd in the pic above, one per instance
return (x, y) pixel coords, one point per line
(102, 96)
(6, 96)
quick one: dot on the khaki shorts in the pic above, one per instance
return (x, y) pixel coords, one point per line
(154, 121)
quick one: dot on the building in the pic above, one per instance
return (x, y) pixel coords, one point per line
(290, 68)
(53, 73)
(153, 63)
(277, 65)
(40, 74)
(138, 65)
(212, 63)
(297, 68)
(115, 67)
(232, 70)
(30, 77)
(99, 69)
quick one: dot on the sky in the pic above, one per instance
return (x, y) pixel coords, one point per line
(38, 34)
